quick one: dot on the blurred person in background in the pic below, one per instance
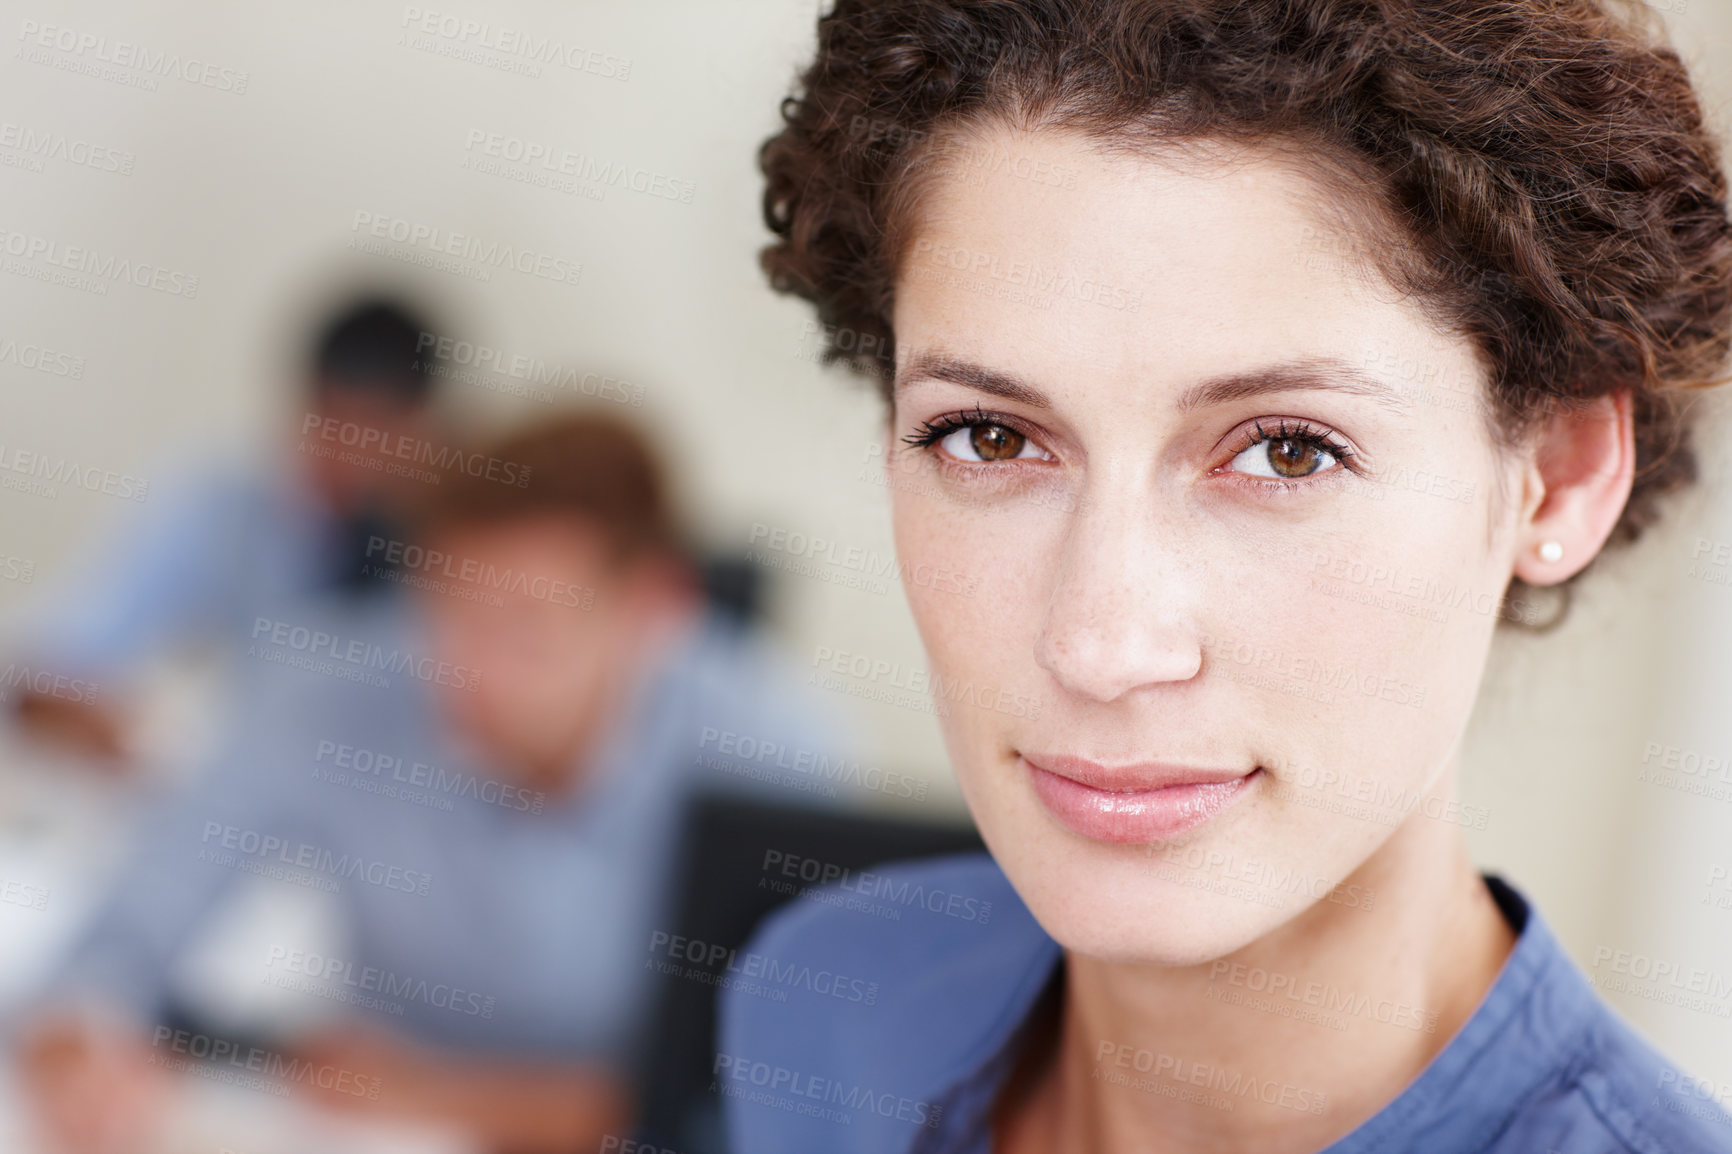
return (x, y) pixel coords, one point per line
(497, 823)
(196, 569)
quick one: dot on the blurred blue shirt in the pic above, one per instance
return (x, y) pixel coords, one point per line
(480, 913)
(1541, 1067)
(192, 566)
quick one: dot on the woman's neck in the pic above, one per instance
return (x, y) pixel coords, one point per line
(1332, 1015)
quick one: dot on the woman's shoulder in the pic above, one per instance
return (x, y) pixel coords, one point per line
(1620, 1097)
(859, 1004)
(1641, 1099)
(1552, 1067)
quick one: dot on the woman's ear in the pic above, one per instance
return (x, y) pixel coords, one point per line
(1575, 487)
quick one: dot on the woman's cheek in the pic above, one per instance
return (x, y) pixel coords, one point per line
(975, 578)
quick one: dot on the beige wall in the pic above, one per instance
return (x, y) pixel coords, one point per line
(257, 193)
(1620, 865)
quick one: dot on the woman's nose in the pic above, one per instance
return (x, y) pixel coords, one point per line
(1118, 618)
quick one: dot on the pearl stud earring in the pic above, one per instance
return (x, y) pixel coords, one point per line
(1551, 552)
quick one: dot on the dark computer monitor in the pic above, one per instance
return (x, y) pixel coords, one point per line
(721, 899)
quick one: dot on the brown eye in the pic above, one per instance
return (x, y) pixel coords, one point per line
(1285, 456)
(995, 442)
(1293, 458)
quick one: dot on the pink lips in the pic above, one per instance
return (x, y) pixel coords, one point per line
(1132, 803)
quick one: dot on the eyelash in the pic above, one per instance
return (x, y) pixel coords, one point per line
(1318, 436)
(933, 431)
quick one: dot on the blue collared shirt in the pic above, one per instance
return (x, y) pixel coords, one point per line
(196, 564)
(476, 913)
(1541, 1067)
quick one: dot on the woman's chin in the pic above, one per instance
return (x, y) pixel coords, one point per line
(1120, 911)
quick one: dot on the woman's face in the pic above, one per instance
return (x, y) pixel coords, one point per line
(1237, 532)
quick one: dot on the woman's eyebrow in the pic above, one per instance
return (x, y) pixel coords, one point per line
(1311, 373)
(972, 376)
(1292, 376)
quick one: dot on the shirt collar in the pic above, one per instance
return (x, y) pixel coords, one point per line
(1531, 1026)
(1529, 1029)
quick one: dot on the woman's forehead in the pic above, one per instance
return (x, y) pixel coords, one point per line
(1143, 270)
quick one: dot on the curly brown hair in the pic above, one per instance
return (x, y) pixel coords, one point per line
(1544, 163)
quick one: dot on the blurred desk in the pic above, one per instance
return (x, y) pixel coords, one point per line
(64, 829)
(209, 1117)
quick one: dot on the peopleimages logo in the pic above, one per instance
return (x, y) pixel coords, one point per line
(860, 566)
(431, 241)
(888, 681)
(1227, 1084)
(1325, 997)
(372, 764)
(17, 893)
(267, 847)
(1690, 979)
(747, 752)
(366, 439)
(1304, 674)
(89, 269)
(532, 154)
(209, 1057)
(373, 980)
(754, 971)
(95, 51)
(799, 1093)
(355, 655)
(1044, 283)
(38, 474)
(434, 29)
(1686, 771)
(41, 359)
(447, 356)
(1719, 879)
(874, 887)
(1260, 880)
(37, 145)
(46, 683)
(486, 575)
